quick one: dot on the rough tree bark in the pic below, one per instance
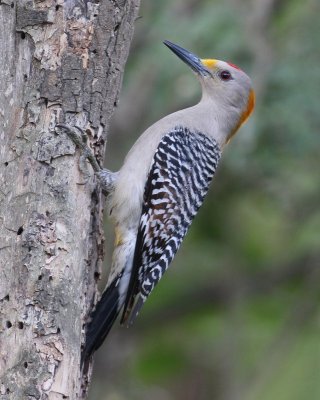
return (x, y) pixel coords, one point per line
(60, 61)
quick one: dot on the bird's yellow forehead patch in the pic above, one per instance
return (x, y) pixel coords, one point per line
(209, 63)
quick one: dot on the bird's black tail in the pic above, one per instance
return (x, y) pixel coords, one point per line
(102, 320)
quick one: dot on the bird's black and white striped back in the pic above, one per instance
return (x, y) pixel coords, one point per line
(182, 169)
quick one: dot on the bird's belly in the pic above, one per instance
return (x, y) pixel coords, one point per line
(126, 201)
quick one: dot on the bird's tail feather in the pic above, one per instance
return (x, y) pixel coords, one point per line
(136, 310)
(102, 320)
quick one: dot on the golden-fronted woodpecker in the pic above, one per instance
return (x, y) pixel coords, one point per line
(161, 185)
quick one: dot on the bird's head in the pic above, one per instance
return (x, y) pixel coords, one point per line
(225, 85)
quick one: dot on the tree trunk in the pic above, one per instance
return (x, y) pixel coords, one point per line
(60, 62)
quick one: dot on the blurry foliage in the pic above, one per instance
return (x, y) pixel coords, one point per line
(237, 314)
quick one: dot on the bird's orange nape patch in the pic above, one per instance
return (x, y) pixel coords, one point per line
(209, 62)
(246, 114)
(250, 107)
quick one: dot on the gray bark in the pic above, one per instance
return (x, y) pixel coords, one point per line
(59, 62)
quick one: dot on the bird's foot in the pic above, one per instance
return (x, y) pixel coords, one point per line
(106, 178)
(80, 139)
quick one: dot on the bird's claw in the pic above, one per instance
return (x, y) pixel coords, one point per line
(80, 139)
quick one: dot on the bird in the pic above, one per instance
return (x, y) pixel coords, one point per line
(162, 183)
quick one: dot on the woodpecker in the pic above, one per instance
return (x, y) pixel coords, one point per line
(157, 192)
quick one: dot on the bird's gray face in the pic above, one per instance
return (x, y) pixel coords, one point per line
(223, 83)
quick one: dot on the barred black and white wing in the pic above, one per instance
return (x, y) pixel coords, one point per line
(179, 178)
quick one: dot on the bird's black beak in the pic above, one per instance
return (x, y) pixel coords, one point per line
(189, 58)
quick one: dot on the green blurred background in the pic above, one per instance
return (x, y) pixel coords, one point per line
(237, 316)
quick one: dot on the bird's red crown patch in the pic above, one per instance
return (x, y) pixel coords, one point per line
(234, 66)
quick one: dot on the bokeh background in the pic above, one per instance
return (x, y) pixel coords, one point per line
(237, 316)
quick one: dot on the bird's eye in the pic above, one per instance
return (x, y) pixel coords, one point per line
(225, 75)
